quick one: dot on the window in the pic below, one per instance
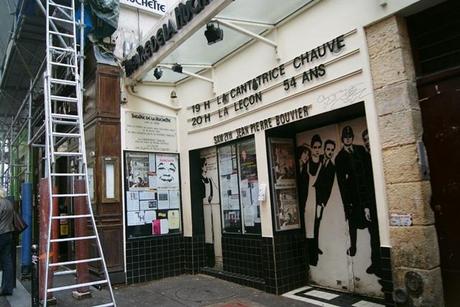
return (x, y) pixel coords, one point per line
(152, 194)
(239, 188)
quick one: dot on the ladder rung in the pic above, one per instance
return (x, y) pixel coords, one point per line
(63, 64)
(67, 154)
(68, 135)
(73, 239)
(61, 20)
(74, 262)
(64, 122)
(105, 305)
(64, 217)
(61, 49)
(61, 34)
(63, 98)
(66, 272)
(65, 116)
(86, 284)
(70, 195)
(60, 5)
(62, 81)
(68, 174)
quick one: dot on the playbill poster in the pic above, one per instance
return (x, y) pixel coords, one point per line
(283, 172)
(152, 193)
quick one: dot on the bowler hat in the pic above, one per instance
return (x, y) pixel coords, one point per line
(347, 132)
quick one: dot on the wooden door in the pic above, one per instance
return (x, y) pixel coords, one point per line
(440, 105)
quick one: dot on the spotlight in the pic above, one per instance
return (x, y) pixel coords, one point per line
(213, 34)
(157, 73)
(177, 68)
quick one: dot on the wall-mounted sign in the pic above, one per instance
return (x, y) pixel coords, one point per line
(184, 13)
(159, 7)
(271, 122)
(149, 132)
(400, 220)
(249, 95)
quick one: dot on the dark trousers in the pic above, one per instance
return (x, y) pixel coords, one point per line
(373, 229)
(313, 244)
(6, 259)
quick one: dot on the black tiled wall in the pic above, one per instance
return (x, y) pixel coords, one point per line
(243, 255)
(290, 260)
(268, 264)
(387, 277)
(154, 258)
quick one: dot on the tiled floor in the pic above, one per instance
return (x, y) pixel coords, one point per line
(329, 298)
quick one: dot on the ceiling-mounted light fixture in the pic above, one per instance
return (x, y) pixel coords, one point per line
(213, 34)
(157, 73)
(177, 68)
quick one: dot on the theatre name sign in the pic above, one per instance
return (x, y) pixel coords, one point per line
(183, 14)
(158, 7)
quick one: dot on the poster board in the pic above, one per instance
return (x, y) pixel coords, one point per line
(284, 186)
(152, 194)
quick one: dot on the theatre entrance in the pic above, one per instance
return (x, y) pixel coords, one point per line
(322, 186)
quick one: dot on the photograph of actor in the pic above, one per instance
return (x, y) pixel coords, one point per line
(353, 185)
(371, 211)
(313, 168)
(323, 188)
(206, 183)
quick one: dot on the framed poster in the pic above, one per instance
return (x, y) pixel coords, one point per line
(152, 194)
(284, 187)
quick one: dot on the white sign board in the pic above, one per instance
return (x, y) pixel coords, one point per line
(401, 220)
(149, 132)
(159, 7)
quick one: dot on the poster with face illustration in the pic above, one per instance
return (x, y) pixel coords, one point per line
(167, 171)
(152, 194)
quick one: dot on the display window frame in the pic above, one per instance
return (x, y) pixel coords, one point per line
(150, 201)
(235, 155)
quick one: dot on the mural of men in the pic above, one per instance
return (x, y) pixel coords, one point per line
(354, 184)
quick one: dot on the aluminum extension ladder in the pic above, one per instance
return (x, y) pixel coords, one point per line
(63, 105)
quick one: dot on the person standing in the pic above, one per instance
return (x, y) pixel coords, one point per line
(6, 243)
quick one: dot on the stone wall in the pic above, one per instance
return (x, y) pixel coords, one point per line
(415, 248)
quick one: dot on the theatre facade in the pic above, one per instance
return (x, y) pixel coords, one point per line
(290, 153)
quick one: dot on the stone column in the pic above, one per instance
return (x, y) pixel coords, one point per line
(415, 248)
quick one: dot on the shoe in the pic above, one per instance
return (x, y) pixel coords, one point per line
(320, 252)
(351, 251)
(371, 269)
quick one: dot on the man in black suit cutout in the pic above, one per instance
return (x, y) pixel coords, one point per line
(371, 213)
(354, 184)
(323, 185)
